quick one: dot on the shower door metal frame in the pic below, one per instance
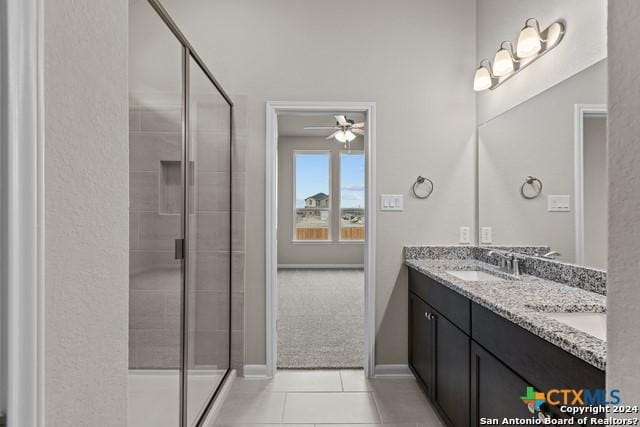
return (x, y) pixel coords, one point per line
(188, 53)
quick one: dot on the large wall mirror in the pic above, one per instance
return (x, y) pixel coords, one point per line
(542, 172)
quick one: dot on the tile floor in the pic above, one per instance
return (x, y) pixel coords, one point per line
(327, 397)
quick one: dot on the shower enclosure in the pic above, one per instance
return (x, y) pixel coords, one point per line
(180, 226)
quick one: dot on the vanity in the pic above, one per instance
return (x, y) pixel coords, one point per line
(478, 337)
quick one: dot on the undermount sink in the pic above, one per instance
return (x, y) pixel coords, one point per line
(474, 276)
(594, 324)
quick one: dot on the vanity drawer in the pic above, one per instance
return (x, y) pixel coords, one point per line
(532, 357)
(450, 304)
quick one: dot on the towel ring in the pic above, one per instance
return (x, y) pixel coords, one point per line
(419, 181)
(531, 180)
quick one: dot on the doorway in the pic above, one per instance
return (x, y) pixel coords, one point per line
(591, 185)
(320, 245)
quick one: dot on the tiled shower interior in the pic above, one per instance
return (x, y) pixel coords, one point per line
(155, 220)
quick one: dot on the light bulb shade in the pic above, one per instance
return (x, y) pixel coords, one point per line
(340, 136)
(350, 136)
(529, 42)
(483, 79)
(503, 63)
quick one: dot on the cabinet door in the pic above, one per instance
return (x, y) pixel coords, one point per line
(495, 389)
(422, 342)
(452, 372)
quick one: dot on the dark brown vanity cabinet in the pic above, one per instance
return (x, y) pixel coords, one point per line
(475, 364)
(439, 358)
(495, 389)
(422, 334)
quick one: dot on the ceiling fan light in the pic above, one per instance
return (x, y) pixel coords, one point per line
(341, 136)
(483, 79)
(349, 136)
(503, 63)
(529, 42)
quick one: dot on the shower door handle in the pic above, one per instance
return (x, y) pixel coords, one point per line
(179, 249)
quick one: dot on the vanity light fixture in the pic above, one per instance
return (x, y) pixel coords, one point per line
(529, 40)
(532, 45)
(484, 77)
(504, 62)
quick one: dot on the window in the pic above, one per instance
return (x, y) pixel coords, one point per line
(312, 205)
(352, 213)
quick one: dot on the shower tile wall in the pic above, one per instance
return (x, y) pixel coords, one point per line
(155, 153)
(238, 206)
(155, 278)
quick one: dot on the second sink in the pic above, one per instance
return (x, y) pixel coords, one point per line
(594, 324)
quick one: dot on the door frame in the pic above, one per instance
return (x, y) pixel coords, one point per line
(273, 110)
(581, 112)
(22, 213)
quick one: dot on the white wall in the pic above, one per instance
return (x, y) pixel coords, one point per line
(413, 58)
(86, 219)
(595, 192)
(291, 253)
(623, 296)
(583, 45)
(535, 138)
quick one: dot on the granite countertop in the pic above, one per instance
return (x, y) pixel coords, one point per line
(524, 301)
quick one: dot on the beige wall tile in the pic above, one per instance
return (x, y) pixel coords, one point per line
(143, 191)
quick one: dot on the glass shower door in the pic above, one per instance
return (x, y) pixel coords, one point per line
(208, 242)
(156, 153)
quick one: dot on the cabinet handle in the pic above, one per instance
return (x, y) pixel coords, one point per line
(428, 315)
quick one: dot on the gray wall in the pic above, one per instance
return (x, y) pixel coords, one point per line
(623, 296)
(311, 253)
(583, 45)
(535, 138)
(595, 192)
(287, 50)
(86, 197)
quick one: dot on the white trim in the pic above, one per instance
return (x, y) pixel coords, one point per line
(323, 266)
(294, 177)
(581, 111)
(393, 371)
(22, 211)
(255, 371)
(273, 109)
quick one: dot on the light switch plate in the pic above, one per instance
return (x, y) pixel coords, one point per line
(559, 203)
(391, 202)
(465, 235)
(486, 235)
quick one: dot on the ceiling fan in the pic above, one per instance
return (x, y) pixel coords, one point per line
(345, 130)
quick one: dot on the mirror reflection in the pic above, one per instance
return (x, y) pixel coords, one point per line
(542, 172)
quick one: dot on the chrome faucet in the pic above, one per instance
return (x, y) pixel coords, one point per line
(552, 255)
(509, 262)
(505, 258)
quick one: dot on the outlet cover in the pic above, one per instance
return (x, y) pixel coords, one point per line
(465, 235)
(559, 203)
(486, 235)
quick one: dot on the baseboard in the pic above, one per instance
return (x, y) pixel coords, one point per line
(323, 266)
(255, 371)
(393, 371)
(214, 411)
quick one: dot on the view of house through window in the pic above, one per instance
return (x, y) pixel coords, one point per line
(352, 196)
(312, 195)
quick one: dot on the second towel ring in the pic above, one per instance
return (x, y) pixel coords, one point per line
(531, 180)
(421, 180)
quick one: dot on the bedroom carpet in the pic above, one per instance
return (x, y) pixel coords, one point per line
(320, 318)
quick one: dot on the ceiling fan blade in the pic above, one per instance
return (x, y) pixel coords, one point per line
(358, 131)
(342, 120)
(358, 125)
(320, 127)
(332, 135)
